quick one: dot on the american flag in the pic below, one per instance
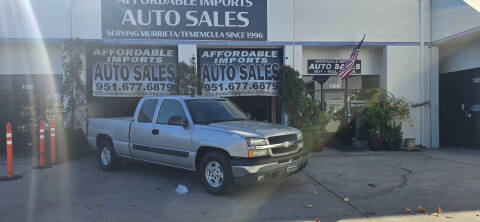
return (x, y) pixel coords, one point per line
(350, 64)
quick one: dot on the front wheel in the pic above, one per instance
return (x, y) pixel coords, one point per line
(215, 173)
(107, 157)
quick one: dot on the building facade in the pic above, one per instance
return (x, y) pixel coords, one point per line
(132, 48)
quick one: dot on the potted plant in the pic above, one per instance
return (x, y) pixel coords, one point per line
(393, 137)
(302, 111)
(314, 122)
(384, 116)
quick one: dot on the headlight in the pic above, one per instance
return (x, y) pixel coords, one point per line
(300, 136)
(300, 140)
(256, 142)
(252, 147)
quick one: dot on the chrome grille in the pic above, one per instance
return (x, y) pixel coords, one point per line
(284, 150)
(282, 139)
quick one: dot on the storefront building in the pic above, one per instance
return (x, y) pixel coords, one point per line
(132, 48)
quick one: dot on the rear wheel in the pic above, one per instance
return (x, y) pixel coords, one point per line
(107, 157)
(215, 173)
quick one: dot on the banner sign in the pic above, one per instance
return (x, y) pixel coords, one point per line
(239, 72)
(240, 20)
(331, 66)
(132, 71)
(476, 79)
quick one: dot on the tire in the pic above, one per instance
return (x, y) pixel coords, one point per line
(215, 173)
(107, 157)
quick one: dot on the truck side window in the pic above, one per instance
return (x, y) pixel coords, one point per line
(147, 111)
(168, 109)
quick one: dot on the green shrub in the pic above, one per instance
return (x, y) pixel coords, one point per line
(384, 116)
(291, 93)
(308, 139)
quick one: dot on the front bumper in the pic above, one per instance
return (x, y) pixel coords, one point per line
(251, 171)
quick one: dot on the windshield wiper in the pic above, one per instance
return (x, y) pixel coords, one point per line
(239, 119)
(220, 121)
(217, 121)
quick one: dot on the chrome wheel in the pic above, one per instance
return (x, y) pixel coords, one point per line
(214, 174)
(105, 156)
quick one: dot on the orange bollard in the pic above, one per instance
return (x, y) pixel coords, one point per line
(9, 151)
(42, 147)
(42, 143)
(10, 175)
(53, 153)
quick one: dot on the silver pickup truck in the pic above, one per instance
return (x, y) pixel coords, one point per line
(205, 134)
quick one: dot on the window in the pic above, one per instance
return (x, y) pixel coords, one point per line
(168, 109)
(147, 111)
(206, 111)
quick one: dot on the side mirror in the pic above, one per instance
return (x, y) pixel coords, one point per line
(177, 121)
(249, 116)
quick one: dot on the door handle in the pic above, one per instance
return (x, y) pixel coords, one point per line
(155, 132)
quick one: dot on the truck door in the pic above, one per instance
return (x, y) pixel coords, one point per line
(141, 138)
(171, 142)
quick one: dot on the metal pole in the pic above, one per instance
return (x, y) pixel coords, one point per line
(322, 97)
(346, 100)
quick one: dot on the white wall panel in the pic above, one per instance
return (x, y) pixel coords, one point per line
(280, 20)
(460, 54)
(87, 22)
(450, 17)
(402, 78)
(348, 20)
(35, 18)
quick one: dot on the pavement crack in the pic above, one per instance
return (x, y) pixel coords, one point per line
(449, 160)
(336, 194)
(403, 182)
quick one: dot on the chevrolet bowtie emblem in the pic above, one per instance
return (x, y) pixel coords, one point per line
(289, 143)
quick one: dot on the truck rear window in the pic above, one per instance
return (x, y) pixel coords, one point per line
(148, 110)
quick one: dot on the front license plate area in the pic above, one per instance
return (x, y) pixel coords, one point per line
(292, 168)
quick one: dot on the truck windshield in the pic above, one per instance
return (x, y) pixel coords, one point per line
(207, 111)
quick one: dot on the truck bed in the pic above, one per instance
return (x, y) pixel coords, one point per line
(117, 128)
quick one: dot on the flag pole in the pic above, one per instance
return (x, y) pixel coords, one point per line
(346, 100)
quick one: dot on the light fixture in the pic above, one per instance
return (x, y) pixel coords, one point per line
(474, 4)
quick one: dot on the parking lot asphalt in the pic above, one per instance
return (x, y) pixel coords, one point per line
(335, 186)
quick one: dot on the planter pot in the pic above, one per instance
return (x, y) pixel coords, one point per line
(376, 143)
(318, 144)
(410, 142)
(395, 145)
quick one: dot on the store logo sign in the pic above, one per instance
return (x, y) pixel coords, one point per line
(239, 20)
(331, 66)
(476, 80)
